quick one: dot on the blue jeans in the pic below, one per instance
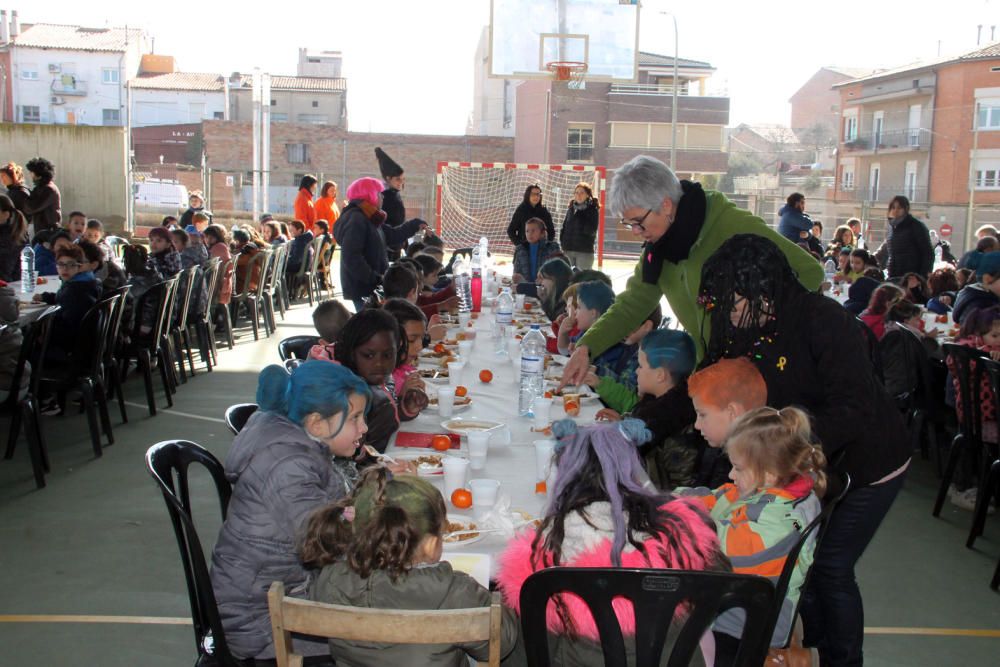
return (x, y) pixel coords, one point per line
(832, 611)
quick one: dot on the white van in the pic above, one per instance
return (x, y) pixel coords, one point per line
(156, 193)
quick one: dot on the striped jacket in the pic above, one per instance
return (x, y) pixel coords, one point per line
(756, 532)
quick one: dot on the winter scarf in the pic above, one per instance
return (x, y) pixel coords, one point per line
(372, 212)
(676, 242)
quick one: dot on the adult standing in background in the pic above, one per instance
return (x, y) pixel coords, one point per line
(682, 225)
(794, 224)
(907, 246)
(392, 199)
(43, 207)
(13, 236)
(12, 178)
(196, 204)
(326, 205)
(530, 207)
(579, 228)
(305, 210)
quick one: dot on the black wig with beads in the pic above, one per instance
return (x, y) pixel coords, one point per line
(745, 266)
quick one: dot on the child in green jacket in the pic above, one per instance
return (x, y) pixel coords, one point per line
(617, 388)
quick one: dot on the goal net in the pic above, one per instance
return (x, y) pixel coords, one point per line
(476, 199)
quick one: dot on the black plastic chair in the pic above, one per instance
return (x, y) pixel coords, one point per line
(238, 415)
(84, 370)
(187, 281)
(272, 286)
(968, 369)
(201, 318)
(147, 347)
(296, 347)
(23, 410)
(113, 350)
(168, 463)
(989, 473)
(654, 595)
(249, 295)
(227, 270)
(817, 526)
(908, 377)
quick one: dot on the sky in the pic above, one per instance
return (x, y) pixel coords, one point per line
(409, 65)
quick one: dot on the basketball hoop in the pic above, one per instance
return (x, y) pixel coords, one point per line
(567, 70)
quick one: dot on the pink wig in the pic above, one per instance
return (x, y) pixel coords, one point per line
(367, 189)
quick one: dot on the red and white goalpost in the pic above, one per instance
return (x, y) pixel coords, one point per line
(476, 199)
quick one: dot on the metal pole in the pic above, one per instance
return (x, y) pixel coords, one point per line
(673, 114)
(255, 106)
(971, 213)
(265, 148)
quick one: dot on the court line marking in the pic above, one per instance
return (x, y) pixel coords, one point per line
(178, 620)
(177, 412)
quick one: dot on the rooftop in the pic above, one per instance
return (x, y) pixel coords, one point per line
(77, 38)
(312, 83)
(657, 60)
(180, 81)
(991, 51)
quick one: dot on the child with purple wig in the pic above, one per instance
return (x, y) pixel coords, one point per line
(599, 511)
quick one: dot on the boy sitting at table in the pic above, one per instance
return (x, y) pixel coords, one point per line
(79, 291)
(530, 255)
(618, 389)
(329, 318)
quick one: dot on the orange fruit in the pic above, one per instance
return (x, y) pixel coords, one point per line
(541, 487)
(41, 281)
(439, 348)
(528, 306)
(441, 443)
(547, 394)
(461, 498)
(461, 391)
(572, 407)
(485, 375)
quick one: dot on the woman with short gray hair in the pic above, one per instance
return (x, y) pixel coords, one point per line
(681, 225)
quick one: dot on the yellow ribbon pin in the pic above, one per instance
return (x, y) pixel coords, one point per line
(781, 363)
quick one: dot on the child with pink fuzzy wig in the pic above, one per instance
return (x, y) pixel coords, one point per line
(599, 509)
(363, 238)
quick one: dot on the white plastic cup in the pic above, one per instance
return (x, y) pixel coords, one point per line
(514, 349)
(455, 469)
(465, 349)
(484, 494)
(479, 445)
(542, 407)
(463, 319)
(446, 401)
(519, 301)
(455, 372)
(543, 463)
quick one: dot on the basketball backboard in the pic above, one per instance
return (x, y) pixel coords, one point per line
(526, 35)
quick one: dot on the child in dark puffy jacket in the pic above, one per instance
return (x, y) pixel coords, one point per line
(78, 293)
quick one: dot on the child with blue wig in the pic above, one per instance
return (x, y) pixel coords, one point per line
(292, 457)
(666, 359)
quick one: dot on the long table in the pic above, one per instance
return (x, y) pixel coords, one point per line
(27, 312)
(512, 464)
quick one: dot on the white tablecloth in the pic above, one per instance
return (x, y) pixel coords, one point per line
(27, 312)
(513, 464)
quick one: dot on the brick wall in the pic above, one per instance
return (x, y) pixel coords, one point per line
(816, 102)
(342, 156)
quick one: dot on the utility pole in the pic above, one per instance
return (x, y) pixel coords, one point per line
(673, 113)
(971, 214)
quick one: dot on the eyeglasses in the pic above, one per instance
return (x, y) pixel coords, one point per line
(630, 223)
(67, 265)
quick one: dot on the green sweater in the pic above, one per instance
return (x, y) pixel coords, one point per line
(681, 283)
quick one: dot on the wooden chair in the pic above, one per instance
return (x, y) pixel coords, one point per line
(450, 626)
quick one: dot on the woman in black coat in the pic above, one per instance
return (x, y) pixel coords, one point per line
(43, 207)
(12, 178)
(530, 207)
(811, 353)
(579, 228)
(907, 246)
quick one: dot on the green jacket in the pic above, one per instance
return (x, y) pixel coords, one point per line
(680, 283)
(616, 395)
(427, 587)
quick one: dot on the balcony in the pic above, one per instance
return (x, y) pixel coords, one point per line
(889, 141)
(882, 194)
(67, 84)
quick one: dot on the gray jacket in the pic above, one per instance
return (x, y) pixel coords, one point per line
(279, 477)
(430, 587)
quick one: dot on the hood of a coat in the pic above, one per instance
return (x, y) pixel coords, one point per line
(265, 434)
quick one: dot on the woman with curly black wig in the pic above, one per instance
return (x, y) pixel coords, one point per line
(812, 355)
(43, 207)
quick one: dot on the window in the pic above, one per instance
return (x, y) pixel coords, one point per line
(111, 117)
(847, 179)
(910, 179)
(30, 114)
(297, 153)
(630, 134)
(110, 75)
(874, 175)
(274, 103)
(850, 128)
(218, 115)
(29, 72)
(987, 174)
(313, 118)
(989, 114)
(279, 117)
(508, 103)
(580, 142)
(315, 104)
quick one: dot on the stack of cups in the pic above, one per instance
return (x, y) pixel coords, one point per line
(479, 445)
(455, 372)
(465, 349)
(514, 352)
(455, 468)
(519, 302)
(446, 401)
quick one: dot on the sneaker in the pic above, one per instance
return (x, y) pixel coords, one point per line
(50, 408)
(966, 500)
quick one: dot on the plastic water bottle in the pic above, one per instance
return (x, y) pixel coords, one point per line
(477, 279)
(504, 318)
(28, 274)
(830, 270)
(532, 370)
(938, 255)
(463, 286)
